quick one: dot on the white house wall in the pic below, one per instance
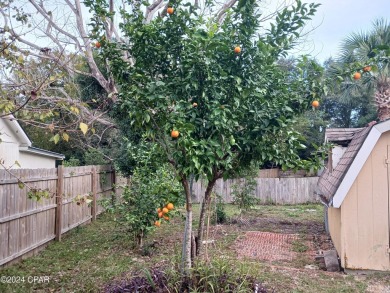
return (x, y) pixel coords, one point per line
(6, 133)
(9, 153)
(337, 153)
(35, 161)
(9, 145)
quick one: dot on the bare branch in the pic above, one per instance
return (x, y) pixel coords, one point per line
(226, 6)
(43, 12)
(106, 84)
(151, 10)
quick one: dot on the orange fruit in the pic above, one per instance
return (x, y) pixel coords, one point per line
(357, 75)
(158, 210)
(160, 214)
(97, 45)
(165, 210)
(315, 104)
(157, 224)
(170, 10)
(367, 68)
(195, 105)
(237, 50)
(166, 218)
(174, 134)
(170, 206)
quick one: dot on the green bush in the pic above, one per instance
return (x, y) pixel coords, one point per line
(243, 192)
(149, 190)
(220, 216)
(72, 162)
(94, 157)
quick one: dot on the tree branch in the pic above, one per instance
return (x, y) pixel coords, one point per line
(221, 13)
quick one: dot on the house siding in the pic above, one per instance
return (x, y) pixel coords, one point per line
(35, 161)
(7, 135)
(364, 215)
(9, 153)
(9, 145)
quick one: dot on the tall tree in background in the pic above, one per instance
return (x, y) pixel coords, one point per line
(368, 54)
(50, 80)
(311, 123)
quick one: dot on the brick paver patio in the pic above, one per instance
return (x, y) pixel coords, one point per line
(267, 246)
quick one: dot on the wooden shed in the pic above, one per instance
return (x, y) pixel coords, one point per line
(355, 188)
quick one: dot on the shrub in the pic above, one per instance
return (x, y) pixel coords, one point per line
(72, 162)
(220, 215)
(243, 193)
(149, 190)
(94, 157)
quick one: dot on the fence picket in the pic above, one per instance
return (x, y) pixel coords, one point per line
(268, 190)
(26, 225)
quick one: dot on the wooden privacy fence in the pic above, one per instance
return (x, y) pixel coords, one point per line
(268, 190)
(26, 225)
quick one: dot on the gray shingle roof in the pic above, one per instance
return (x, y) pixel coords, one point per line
(329, 181)
(340, 134)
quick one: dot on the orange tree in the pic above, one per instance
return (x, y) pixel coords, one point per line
(230, 107)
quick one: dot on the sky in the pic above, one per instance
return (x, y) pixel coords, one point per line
(337, 19)
(334, 21)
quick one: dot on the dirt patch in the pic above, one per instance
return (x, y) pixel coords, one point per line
(280, 226)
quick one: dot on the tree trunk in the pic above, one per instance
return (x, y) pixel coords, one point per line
(382, 99)
(383, 113)
(186, 252)
(140, 239)
(205, 204)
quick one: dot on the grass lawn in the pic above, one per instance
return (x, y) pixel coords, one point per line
(90, 257)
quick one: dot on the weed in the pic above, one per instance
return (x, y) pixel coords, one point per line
(299, 246)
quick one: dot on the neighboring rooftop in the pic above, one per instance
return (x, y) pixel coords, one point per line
(43, 152)
(340, 135)
(25, 144)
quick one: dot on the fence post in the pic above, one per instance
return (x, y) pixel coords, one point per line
(93, 187)
(59, 193)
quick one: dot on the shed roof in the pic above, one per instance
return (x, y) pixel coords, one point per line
(334, 186)
(330, 180)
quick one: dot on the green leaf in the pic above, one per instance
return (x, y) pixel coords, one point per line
(146, 117)
(55, 138)
(219, 153)
(20, 184)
